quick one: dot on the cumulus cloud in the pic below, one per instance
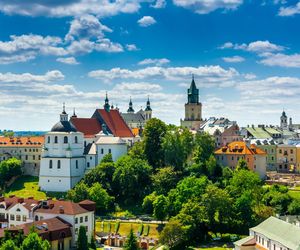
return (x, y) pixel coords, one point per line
(281, 60)
(50, 76)
(290, 10)
(205, 7)
(146, 21)
(159, 4)
(233, 59)
(206, 73)
(131, 47)
(69, 7)
(257, 46)
(157, 62)
(85, 27)
(67, 60)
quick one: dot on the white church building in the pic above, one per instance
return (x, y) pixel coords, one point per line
(66, 158)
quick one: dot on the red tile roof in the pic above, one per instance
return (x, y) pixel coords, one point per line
(35, 141)
(240, 148)
(28, 203)
(115, 123)
(88, 126)
(49, 229)
(62, 207)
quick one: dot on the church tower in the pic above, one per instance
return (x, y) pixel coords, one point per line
(130, 108)
(193, 108)
(148, 111)
(283, 121)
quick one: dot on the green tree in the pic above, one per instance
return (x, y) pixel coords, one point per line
(82, 241)
(294, 207)
(131, 178)
(154, 133)
(242, 164)
(186, 189)
(34, 242)
(164, 180)
(174, 235)
(160, 207)
(138, 150)
(8, 245)
(148, 203)
(107, 158)
(78, 193)
(93, 243)
(99, 195)
(214, 170)
(131, 242)
(205, 146)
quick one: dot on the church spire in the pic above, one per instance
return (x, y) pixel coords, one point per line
(193, 92)
(106, 105)
(130, 109)
(148, 107)
(64, 115)
(74, 114)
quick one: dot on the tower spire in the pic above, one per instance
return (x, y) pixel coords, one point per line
(64, 115)
(130, 108)
(74, 114)
(106, 104)
(148, 106)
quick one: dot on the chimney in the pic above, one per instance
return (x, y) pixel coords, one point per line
(20, 200)
(61, 210)
(30, 198)
(12, 196)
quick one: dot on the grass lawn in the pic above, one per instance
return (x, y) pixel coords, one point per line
(295, 194)
(27, 186)
(125, 228)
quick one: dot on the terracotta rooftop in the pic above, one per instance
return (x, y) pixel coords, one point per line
(35, 141)
(88, 126)
(61, 207)
(240, 148)
(49, 229)
(11, 201)
(114, 122)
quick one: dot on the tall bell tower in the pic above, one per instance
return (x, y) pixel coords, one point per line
(193, 108)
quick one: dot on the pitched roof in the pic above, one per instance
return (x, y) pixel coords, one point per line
(110, 140)
(34, 141)
(283, 232)
(133, 117)
(88, 126)
(49, 229)
(115, 122)
(240, 148)
(61, 207)
(258, 133)
(11, 201)
(247, 241)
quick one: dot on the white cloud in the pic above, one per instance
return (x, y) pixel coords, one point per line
(257, 46)
(69, 7)
(67, 60)
(85, 27)
(24, 57)
(207, 6)
(131, 47)
(50, 76)
(282, 60)
(206, 73)
(233, 59)
(159, 4)
(146, 21)
(157, 62)
(105, 45)
(290, 10)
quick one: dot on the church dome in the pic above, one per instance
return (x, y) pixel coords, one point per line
(63, 126)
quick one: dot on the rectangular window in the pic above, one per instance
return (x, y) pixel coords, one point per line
(81, 219)
(102, 151)
(18, 217)
(26, 157)
(86, 218)
(33, 157)
(109, 151)
(12, 217)
(24, 217)
(76, 220)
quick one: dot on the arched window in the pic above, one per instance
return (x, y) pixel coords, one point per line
(48, 139)
(58, 164)
(50, 164)
(55, 139)
(36, 218)
(65, 139)
(76, 163)
(76, 139)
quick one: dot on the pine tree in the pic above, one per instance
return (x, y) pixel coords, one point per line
(131, 242)
(93, 243)
(82, 241)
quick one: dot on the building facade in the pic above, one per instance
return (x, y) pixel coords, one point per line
(231, 154)
(193, 109)
(27, 149)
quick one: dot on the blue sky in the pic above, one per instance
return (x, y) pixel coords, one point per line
(245, 56)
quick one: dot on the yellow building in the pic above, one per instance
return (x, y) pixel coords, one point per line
(286, 157)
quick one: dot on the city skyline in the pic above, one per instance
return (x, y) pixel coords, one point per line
(244, 56)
